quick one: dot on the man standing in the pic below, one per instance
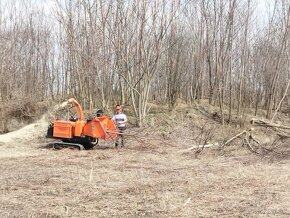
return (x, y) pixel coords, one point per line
(120, 120)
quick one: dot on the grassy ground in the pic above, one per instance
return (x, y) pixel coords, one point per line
(147, 178)
(138, 181)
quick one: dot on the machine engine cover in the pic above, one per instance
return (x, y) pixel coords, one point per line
(63, 129)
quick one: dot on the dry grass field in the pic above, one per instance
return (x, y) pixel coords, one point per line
(139, 181)
(150, 178)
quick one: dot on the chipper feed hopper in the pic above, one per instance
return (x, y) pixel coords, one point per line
(80, 133)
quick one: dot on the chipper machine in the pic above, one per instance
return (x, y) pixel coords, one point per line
(80, 133)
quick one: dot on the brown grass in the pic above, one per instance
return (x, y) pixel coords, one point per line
(136, 182)
(147, 178)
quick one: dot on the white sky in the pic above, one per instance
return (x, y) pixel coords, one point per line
(49, 6)
(263, 9)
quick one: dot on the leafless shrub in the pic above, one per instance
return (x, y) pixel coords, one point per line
(204, 136)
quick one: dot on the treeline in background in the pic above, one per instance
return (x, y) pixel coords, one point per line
(136, 52)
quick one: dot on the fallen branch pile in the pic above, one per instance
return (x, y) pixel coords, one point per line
(268, 124)
(199, 147)
(248, 140)
(281, 130)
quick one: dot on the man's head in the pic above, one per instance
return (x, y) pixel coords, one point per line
(118, 108)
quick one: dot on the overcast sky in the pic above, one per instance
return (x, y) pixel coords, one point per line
(48, 6)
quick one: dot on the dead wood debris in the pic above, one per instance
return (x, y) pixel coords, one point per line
(248, 141)
(252, 144)
(282, 132)
(199, 147)
(268, 124)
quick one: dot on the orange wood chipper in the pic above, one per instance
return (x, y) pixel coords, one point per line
(80, 133)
